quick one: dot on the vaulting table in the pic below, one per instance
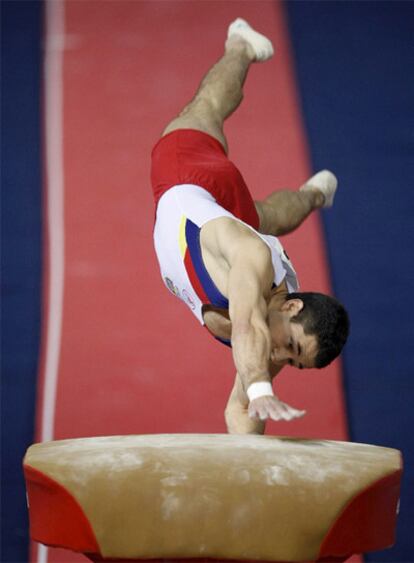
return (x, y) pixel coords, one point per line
(212, 496)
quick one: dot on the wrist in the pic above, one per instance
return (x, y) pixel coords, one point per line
(259, 389)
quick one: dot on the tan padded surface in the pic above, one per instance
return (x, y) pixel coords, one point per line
(201, 495)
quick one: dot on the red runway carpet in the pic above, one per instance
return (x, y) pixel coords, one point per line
(120, 355)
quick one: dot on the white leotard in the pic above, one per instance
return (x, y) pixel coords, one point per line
(181, 212)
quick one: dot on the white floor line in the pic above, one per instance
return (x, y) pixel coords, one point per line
(53, 88)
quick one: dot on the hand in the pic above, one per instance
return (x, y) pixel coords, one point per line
(270, 407)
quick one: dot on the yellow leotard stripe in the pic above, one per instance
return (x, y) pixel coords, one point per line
(181, 237)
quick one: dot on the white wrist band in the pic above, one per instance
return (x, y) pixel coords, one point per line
(259, 389)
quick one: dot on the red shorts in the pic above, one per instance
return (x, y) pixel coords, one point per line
(187, 156)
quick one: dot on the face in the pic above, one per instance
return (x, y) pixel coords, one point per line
(290, 345)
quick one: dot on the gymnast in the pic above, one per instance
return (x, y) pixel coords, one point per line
(218, 252)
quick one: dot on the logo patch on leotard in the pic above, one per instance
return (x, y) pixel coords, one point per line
(173, 288)
(188, 299)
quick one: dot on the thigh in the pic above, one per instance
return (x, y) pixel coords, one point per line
(201, 116)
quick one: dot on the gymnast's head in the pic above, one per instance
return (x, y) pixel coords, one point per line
(308, 330)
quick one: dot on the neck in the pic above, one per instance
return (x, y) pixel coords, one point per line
(277, 298)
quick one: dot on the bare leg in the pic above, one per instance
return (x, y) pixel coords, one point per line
(219, 93)
(283, 211)
(218, 96)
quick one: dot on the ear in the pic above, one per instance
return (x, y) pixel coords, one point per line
(292, 306)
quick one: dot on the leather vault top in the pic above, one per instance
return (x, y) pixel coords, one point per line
(202, 495)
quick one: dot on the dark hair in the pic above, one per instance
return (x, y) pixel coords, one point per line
(326, 318)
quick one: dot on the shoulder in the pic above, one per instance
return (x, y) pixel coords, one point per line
(232, 240)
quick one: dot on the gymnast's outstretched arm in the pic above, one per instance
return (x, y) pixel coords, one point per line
(238, 419)
(250, 277)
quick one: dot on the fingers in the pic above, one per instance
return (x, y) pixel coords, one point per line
(289, 413)
(270, 407)
(258, 411)
(282, 411)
